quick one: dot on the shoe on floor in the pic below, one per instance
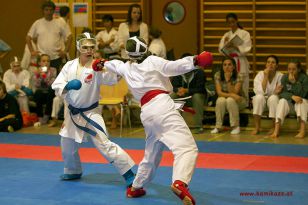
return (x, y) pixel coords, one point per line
(199, 130)
(10, 128)
(135, 193)
(37, 124)
(215, 131)
(235, 131)
(70, 176)
(180, 189)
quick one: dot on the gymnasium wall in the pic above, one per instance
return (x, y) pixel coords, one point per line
(16, 18)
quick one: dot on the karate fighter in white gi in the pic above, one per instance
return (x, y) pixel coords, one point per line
(148, 79)
(79, 85)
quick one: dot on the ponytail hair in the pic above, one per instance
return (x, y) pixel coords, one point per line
(234, 16)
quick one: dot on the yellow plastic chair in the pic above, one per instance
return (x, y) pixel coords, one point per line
(115, 95)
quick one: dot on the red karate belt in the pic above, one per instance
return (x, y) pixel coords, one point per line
(150, 95)
(234, 55)
(153, 93)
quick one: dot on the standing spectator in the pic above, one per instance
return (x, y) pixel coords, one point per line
(231, 97)
(42, 81)
(132, 27)
(65, 17)
(266, 86)
(17, 83)
(157, 46)
(293, 98)
(241, 51)
(49, 42)
(107, 38)
(10, 117)
(191, 84)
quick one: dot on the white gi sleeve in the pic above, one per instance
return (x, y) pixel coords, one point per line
(62, 79)
(172, 68)
(114, 66)
(10, 86)
(245, 47)
(279, 76)
(222, 43)
(257, 84)
(26, 79)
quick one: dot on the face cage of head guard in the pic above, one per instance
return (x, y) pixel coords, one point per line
(79, 43)
(137, 53)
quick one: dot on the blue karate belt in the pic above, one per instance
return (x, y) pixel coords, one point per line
(75, 111)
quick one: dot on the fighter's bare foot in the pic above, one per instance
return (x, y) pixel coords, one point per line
(274, 135)
(271, 131)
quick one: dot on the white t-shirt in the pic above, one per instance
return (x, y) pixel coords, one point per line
(48, 35)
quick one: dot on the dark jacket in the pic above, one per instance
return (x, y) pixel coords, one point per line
(9, 105)
(299, 88)
(195, 84)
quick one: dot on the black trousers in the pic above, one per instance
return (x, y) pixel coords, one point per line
(14, 122)
(44, 97)
(57, 63)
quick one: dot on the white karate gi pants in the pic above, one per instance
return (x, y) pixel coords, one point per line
(165, 126)
(111, 151)
(57, 103)
(260, 102)
(284, 108)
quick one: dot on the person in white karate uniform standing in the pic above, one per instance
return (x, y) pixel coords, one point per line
(79, 85)
(148, 79)
(241, 50)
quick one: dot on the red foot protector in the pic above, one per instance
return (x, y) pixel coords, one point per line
(181, 190)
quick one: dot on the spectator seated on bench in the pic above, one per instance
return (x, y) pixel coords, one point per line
(228, 84)
(293, 97)
(191, 84)
(266, 87)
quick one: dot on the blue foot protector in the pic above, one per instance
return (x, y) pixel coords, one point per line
(70, 176)
(129, 177)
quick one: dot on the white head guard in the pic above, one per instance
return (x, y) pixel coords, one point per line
(136, 53)
(15, 61)
(85, 39)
